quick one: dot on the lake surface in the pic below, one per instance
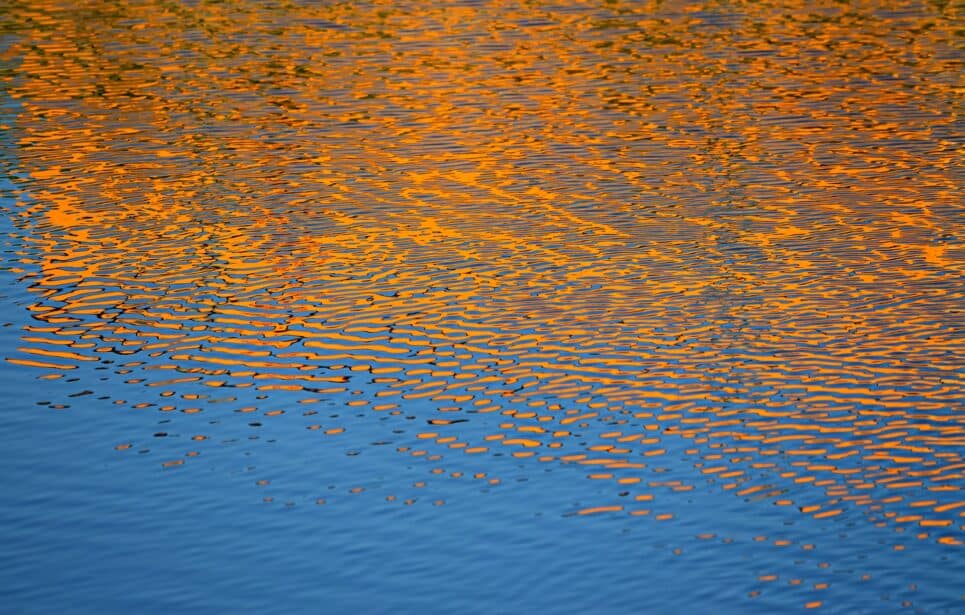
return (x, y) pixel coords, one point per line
(481, 307)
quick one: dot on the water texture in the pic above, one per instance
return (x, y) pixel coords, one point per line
(481, 306)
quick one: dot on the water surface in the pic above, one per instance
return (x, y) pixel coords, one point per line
(482, 306)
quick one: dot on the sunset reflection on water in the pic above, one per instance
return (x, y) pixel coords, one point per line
(714, 241)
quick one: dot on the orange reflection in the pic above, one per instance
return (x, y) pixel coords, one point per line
(615, 234)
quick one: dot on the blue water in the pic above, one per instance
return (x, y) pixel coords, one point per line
(88, 530)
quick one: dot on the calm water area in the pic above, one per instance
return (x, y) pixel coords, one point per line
(478, 306)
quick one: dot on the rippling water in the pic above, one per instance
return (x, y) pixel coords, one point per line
(588, 306)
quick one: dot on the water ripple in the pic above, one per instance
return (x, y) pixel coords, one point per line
(703, 247)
